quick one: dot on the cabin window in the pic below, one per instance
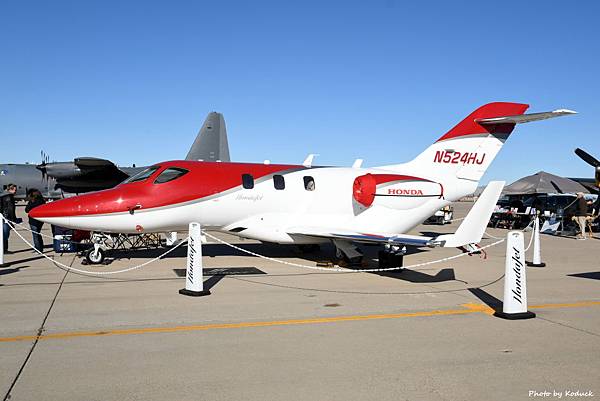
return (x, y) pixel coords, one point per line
(142, 175)
(279, 182)
(309, 183)
(170, 174)
(247, 181)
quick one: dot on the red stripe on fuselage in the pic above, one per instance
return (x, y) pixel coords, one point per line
(204, 179)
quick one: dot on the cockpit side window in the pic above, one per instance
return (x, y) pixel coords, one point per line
(247, 181)
(142, 175)
(170, 174)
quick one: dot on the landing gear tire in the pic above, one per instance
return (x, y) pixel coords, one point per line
(391, 260)
(95, 257)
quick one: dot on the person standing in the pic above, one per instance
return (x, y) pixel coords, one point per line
(581, 213)
(35, 199)
(7, 208)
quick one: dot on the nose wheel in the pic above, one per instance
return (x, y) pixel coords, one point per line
(95, 255)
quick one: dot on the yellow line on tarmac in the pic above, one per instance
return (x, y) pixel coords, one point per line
(470, 308)
(568, 305)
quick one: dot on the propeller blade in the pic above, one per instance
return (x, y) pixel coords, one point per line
(556, 187)
(42, 166)
(586, 157)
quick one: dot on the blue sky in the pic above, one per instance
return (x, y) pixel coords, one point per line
(381, 80)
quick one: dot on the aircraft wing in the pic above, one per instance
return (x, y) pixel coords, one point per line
(354, 236)
(93, 164)
(469, 232)
(84, 174)
(211, 142)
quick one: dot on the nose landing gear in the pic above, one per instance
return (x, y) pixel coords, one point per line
(95, 255)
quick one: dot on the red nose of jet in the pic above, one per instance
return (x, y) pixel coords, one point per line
(61, 208)
(102, 202)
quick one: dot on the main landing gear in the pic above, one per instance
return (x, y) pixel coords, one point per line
(392, 256)
(347, 253)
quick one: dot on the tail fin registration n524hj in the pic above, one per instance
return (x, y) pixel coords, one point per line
(468, 149)
(305, 204)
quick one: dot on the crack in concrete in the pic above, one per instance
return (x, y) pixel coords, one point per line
(40, 331)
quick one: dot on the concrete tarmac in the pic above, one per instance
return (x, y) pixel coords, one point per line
(297, 334)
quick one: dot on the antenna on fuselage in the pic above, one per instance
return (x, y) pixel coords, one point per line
(309, 159)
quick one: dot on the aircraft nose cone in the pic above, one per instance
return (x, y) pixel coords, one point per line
(60, 208)
(83, 211)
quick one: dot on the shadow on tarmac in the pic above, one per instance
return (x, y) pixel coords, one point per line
(212, 281)
(487, 298)
(4, 271)
(589, 275)
(414, 276)
(16, 262)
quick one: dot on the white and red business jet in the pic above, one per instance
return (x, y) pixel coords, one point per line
(301, 204)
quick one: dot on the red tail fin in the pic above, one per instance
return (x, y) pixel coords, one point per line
(468, 126)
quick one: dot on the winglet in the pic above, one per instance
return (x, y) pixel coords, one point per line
(473, 226)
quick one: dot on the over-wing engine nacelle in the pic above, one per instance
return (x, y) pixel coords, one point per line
(395, 191)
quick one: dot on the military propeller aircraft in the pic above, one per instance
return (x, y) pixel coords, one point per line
(592, 184)
(300, 204)
(87, 174)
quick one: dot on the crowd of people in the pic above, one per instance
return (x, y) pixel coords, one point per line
(8, 210)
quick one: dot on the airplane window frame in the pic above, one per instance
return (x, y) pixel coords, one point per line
(142, 175)
(279, 182)
(182, 171)
(307, 180)
(247, 184)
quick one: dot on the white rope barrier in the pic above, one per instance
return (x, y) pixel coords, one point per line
(339, 269)
(69, 268)
(530, 239)
(328, 269)
(52, 237)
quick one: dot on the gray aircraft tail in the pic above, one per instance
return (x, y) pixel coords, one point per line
(211, 142)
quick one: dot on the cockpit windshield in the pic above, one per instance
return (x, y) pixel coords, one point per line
(170, 174)
(142, 175)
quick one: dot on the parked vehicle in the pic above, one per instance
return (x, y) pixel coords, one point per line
(442, 216)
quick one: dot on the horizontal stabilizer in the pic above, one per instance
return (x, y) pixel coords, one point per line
(524, 118)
